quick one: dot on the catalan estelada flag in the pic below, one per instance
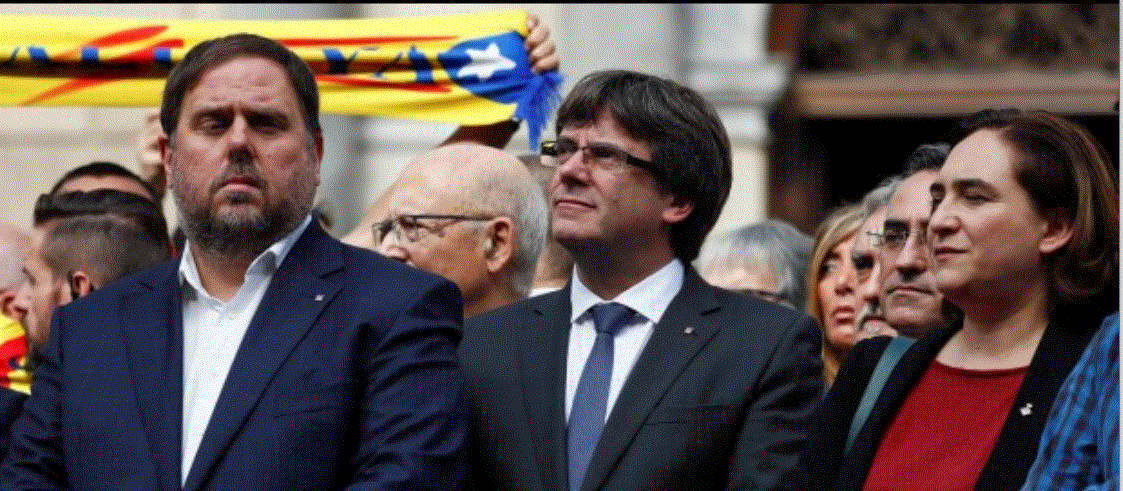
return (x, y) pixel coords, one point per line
(13, 356)
(469, 69)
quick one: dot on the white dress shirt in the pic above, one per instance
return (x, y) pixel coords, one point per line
(534, 292)
(649, 298)
(212, 332)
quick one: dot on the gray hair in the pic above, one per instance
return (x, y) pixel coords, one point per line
(520, 197)
(771, 243)
(879, 196)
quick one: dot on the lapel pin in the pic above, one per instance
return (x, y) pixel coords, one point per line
(1026, 409)
(688, 330)
(319, 297)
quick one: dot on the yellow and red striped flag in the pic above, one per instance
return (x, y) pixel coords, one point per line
(467, 69)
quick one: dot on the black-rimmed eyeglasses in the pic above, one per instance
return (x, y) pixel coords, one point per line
(408, 228)
(602, 155)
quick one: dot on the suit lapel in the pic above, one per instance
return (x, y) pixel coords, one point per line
(152, 324)
(292, 302)
(901, 381)
(542, 364)
(1060, 348)
(675, 340)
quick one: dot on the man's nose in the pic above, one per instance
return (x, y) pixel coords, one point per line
(912, 259)
(22, 304)
(573, 170)
(871, 287)
(238, 138)
(391, 248)
(238, 132)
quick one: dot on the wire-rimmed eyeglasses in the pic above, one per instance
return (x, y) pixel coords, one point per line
(894, 237)
(408, 228)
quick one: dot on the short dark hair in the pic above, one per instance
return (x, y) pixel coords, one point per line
(926, 157)
(102, 169)
(99, 202)
(213, 52)
(1064, 169)
(107, 233)
(689, 146)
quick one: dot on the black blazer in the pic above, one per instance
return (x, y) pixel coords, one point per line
(724, 405)
(824, 466)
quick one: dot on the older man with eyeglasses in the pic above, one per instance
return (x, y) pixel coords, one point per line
(911, 303)
(868, 263)
(472, 214)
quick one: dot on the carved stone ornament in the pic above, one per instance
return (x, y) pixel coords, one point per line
(961, 37)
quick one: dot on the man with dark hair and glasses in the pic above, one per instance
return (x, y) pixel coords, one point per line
(911, 303)
(472, 214)
(638, 374)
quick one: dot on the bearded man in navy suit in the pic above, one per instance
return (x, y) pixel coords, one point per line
(638, 374)
(269, 355)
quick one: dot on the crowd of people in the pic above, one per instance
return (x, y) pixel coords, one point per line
(557, 321)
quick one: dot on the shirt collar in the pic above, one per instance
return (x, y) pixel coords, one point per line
(650, 297)
(264, 264)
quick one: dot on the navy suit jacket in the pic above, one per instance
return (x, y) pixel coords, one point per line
(346, 379)
(721, 396)
(11, 403)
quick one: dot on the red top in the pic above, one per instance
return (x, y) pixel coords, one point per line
(945, 431)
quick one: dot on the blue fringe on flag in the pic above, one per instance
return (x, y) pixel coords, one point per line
(537, 104)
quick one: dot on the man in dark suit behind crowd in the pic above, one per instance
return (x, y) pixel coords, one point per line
(638, 374)
(268, 355)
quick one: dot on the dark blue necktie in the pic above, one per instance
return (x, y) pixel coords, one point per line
(586, 419)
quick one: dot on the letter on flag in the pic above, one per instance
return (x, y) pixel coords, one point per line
(469, 69)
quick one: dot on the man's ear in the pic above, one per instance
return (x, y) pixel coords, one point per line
(677, 209)
(80, 284)
(319, 148)
(165, 157)
(1056, 232)
(7, 304)
(499, 243)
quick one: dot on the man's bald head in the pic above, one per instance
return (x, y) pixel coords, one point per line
(14, 244)
(495, 226)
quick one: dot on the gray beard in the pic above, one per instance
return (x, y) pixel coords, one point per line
(241, 237)
(237, 238)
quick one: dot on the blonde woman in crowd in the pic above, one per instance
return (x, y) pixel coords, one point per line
(831, 284)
